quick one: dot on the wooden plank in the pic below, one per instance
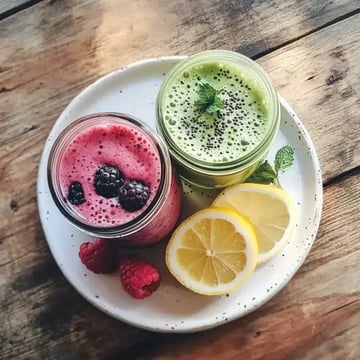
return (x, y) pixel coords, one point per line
(9, 7)
(301, 321)
(6, 5)
(283, 21)
(319, 76)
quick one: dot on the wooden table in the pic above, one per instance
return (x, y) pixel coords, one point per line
(51, 49)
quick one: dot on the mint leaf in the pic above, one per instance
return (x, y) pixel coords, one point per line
(212, 109)
(218, 103)
(264, 174)
(216, 106)
(206, 96)
(284, 158)
(208, 100)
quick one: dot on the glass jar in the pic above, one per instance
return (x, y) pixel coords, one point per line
(200, 138)
(125, 142)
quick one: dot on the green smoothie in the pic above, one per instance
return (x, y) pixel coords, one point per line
(218, 112)
(215, 135)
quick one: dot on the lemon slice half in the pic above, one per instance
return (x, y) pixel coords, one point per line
(271, 211)
(212, 252)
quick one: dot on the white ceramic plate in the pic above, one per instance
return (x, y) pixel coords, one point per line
(172, 308)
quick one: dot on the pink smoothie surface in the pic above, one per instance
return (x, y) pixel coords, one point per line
(120, 145)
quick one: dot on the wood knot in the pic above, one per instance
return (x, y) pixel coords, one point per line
(310, 77)
(14, 205)
(4, 89)
(335, 77)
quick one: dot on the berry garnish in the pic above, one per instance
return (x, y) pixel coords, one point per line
(138, 278)
(98, 256)
(108, 180)
(133, 195)
(76, 193)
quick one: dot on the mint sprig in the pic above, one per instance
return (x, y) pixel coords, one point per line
(284, 158)
(208, 99)
(266, 174)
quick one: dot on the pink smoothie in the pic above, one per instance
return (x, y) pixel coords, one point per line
(120, 145)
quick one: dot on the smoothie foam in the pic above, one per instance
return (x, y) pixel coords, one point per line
(116, 144)
(226, 135)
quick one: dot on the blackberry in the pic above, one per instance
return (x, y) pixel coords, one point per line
(133, 195)
(76, 193)
(108, 180)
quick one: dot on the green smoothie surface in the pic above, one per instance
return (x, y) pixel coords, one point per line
(224, 135)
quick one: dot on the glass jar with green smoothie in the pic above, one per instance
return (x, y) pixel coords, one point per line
(218, 112)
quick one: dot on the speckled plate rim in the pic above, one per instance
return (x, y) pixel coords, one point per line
(192, 326)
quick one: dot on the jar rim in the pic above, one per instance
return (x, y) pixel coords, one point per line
(266, 84)
(68, 134)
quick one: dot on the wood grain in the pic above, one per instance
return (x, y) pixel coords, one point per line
(10, 7)
(51, 50)
(320, 78)
(39, 307)
(72, 46)
(285, 21)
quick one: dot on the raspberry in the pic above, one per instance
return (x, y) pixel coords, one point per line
(98, 256)
(76, 193)
(133, 195)
(139, 278)
(108, 180)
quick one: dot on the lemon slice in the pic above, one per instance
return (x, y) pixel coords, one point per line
(212, 252)
(271, 211)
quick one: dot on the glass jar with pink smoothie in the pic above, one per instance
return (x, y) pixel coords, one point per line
(111, 176)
